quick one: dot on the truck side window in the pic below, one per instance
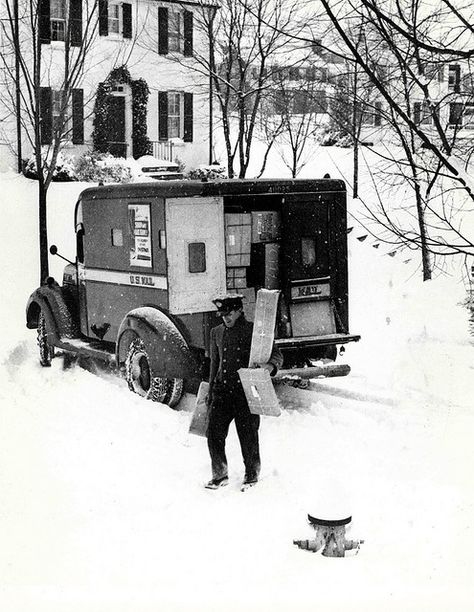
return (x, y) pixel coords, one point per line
(117, 237)
(197, 257)
(308, 251)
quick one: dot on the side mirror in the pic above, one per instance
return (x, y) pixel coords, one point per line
(53, 249)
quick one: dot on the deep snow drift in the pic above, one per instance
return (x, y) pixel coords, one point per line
(102, 504)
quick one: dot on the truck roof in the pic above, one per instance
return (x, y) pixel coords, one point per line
(184, 188)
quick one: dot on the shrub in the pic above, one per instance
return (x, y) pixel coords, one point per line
(97, 167)
(63, 170)
(210, 173)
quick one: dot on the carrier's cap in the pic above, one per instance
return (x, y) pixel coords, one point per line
(226, 303)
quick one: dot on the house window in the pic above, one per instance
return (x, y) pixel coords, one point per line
(175, 115)
(454, 78)
(468, 115)
(422, 113)
(114, 19)
(59, 121)
(55, 118)
(455, 113)
(58, 19)
(175, 31)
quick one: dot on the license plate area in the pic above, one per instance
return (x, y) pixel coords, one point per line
(310, 289)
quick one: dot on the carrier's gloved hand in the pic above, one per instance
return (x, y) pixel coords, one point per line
(267, 366)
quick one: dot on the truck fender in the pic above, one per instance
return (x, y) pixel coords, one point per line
(59, 321)
(169, 353)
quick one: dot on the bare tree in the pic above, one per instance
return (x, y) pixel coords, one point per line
(243, 45)
(24, 41)
(298, 104)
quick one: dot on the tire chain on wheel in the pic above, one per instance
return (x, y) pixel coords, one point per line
(46, 352)
(163, 390)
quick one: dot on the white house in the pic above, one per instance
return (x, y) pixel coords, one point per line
(130, 49)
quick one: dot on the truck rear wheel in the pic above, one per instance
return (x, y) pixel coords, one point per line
(46, 351)
(140, 379)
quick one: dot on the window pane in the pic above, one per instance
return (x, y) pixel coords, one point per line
(174, 31)
(58, 9)
(174, 115)
(114, 18)
(308, 251)
(197, 257)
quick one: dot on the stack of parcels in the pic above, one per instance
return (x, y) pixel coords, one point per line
(256, 382)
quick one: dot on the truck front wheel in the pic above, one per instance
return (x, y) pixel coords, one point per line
(140, 378)
(46, 351)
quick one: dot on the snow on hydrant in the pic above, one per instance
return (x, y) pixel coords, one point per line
(330, 536)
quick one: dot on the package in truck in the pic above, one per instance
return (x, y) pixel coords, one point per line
(266, 226)
(200, 419)
(264, 321)
(236, 278)
(238, 232)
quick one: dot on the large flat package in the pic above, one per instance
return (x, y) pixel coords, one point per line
(257, 383)
(264, 326)
(259, 391)
(200, 419)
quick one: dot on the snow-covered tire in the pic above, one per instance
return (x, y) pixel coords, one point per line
(140, 379)
(46, 351)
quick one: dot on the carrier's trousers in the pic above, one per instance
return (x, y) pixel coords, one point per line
(226, 407)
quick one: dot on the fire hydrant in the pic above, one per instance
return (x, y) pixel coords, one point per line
(330, 536)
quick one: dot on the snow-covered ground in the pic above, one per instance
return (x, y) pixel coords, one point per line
(101, 500)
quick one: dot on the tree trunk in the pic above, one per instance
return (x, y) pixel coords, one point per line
(425, 253)
(43, 231)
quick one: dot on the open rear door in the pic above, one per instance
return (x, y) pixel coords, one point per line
(196, 253)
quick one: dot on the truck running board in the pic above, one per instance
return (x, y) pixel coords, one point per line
(77, 346)
(329, 339)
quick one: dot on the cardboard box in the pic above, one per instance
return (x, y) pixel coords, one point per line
(236, 278)
(266, 226)
(259, 391)
(200, 419)
(238, 234)
(264, 326)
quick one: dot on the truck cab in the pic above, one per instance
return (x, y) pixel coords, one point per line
(151, 258)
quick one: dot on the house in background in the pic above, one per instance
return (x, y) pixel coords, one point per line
(140, 91)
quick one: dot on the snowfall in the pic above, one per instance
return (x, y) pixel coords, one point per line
(102, 504)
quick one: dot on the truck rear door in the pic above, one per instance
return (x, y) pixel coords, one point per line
(306, 264)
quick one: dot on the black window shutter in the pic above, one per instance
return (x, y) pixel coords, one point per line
(46, 115)
(103, 18)
(378, 114)
(417, 112)
(162, 30)
(127, 20)
(163, 115)
(77, 116)
(188, 33)
(44, 22)
(188, 117)
(76, 22)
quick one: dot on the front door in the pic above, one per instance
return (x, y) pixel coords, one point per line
(196, 253)
(116, 126)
